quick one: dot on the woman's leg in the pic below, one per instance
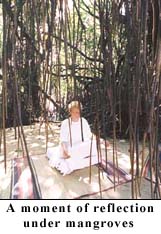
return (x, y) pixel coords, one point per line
(83, 149)
(80, 156)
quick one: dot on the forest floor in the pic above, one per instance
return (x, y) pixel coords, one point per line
(76, 185)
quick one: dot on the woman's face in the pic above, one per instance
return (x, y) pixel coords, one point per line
(75, 114)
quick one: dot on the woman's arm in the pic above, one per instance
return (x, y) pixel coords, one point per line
(64, 146)
(64, 132)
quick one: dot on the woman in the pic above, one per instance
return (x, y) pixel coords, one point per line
(77, 149)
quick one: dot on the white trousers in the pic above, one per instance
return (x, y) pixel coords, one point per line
(80, 157)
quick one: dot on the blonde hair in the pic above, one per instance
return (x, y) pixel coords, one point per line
(74, 104)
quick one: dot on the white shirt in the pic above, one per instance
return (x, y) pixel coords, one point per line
(76, 133)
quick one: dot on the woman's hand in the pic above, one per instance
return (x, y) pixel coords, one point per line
(65, 154)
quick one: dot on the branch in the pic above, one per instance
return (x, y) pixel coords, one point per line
(48, 97)
(83, 26)
(88, 10)
(79, 51)
(19, 23)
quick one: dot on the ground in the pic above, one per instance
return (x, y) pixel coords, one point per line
(79, 184)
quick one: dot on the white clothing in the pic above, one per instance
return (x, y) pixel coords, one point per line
(74, 128)
(79, 150)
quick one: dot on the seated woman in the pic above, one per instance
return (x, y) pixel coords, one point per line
(77, 149)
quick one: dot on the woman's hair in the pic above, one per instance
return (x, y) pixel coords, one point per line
(74, 104)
